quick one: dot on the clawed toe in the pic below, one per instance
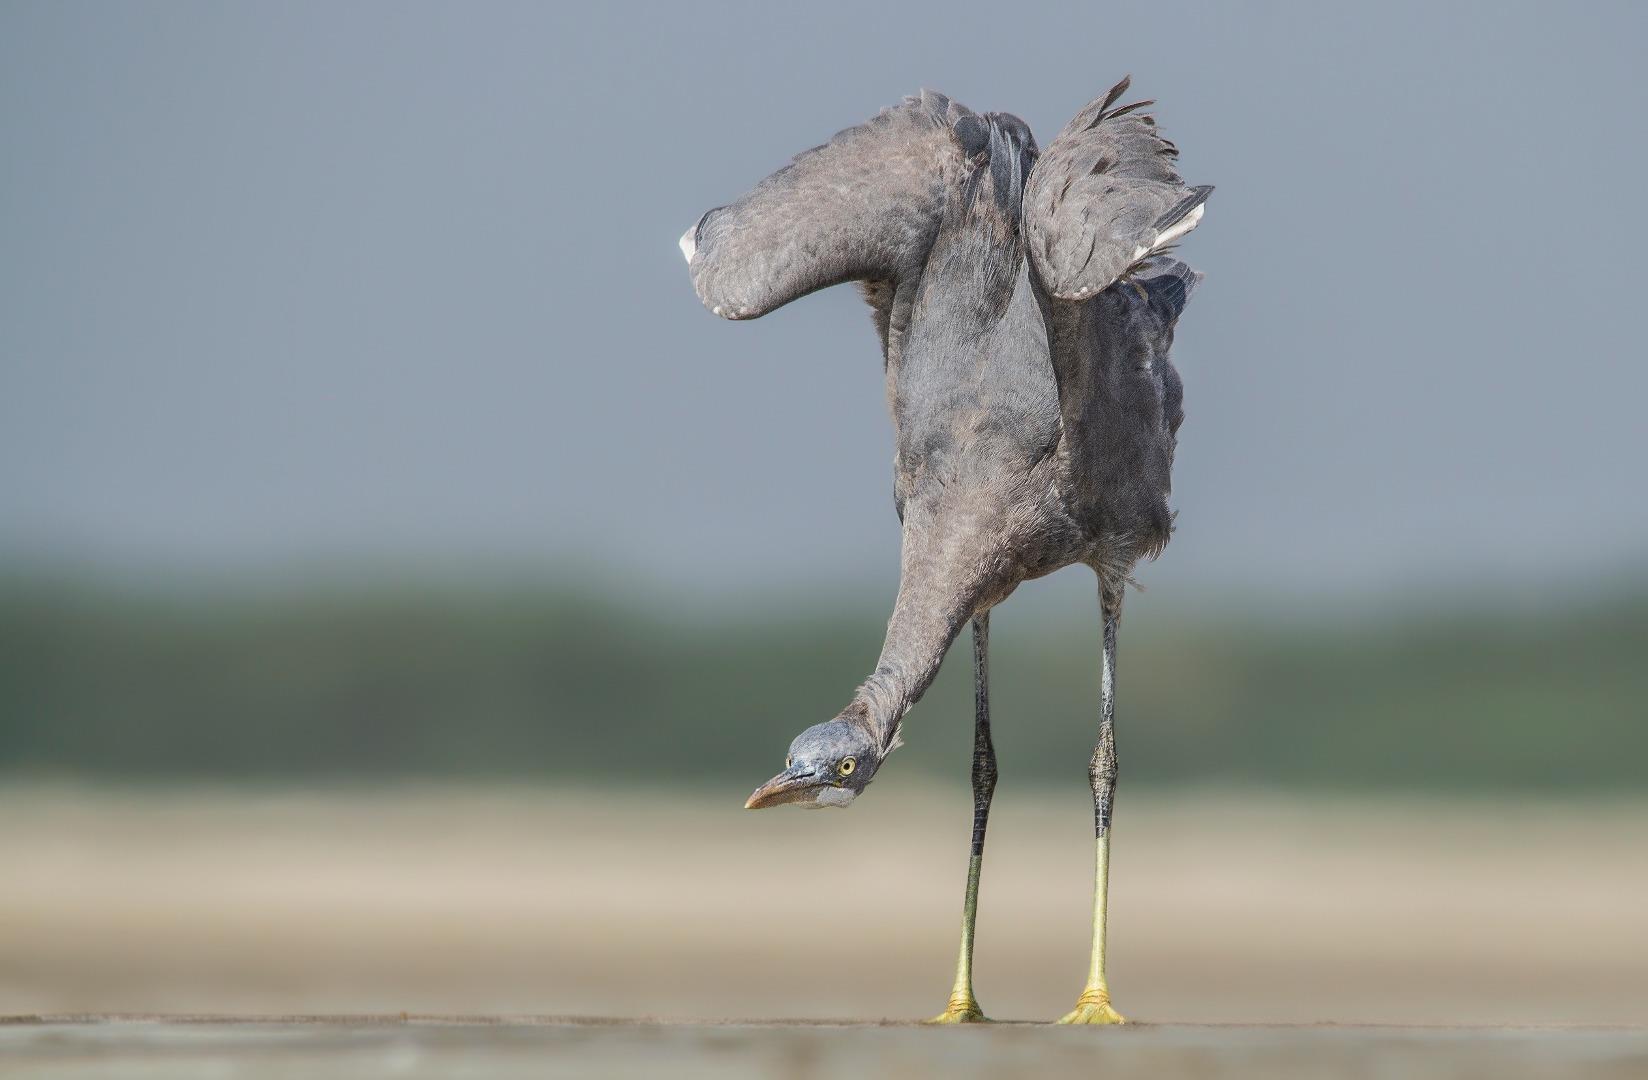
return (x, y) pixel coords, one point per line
(1093, 1007)
(961, 1012)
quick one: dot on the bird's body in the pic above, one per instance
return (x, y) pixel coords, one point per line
(1033, 400)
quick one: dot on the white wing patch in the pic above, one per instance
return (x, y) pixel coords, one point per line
(1172, 233)
(1180, 227)
(689, 242)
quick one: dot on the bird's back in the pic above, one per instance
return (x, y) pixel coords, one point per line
(991, 447)
(979, 436)
(985, 402)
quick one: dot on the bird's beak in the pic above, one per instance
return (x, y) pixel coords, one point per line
(791, 785)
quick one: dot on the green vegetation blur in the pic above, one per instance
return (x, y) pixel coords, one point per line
(559, 685)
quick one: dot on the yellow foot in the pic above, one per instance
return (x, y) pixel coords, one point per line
(1093, 1007)
(965, 1011)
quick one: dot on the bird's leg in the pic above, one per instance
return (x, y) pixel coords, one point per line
(1093, 1007)
(964, 1007)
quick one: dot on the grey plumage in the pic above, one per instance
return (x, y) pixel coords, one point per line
(1035, 404)
(1032, 431)
(862, 207)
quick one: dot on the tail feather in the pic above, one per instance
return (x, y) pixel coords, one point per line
(1167, 284)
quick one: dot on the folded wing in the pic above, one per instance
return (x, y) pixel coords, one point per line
(864, 207)
(1103, 197)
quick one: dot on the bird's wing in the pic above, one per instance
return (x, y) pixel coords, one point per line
(1103, 197)
(864, 206)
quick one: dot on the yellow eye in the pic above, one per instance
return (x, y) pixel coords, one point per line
(847, 766)
(788, 761)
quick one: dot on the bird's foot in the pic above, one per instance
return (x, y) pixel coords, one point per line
(1093, 1007)
(962, 1010)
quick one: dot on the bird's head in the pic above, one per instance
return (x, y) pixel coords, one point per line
(828, 765)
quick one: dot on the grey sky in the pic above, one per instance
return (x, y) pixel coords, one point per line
(310, 281)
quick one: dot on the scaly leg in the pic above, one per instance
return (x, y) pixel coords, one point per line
(1093, 1007)
(964, 1007)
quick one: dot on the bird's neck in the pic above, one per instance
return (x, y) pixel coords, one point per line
(939, 590)
(917, 639)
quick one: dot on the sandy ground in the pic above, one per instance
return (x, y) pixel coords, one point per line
(548, 1048)
(1226, 909)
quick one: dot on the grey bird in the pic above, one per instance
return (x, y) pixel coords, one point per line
(1026, 307)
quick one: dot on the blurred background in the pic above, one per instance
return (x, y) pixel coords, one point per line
(403, 579)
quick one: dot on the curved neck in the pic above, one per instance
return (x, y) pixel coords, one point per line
(939, 589)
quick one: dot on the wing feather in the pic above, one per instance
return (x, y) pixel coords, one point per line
(1104, 195)
(864, 206)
